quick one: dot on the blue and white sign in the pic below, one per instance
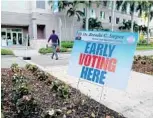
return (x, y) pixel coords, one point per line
(103, 57)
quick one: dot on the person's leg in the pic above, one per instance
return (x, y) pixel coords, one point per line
(54, 49)
(56, 52)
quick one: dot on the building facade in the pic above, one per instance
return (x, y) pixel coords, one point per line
(37, 19)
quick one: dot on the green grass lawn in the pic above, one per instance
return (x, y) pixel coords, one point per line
(145, 47)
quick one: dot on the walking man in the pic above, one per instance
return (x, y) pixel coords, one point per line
(55, 43)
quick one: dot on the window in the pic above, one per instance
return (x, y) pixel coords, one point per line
(40, 4)
(16, 30)
(117, 20)
(41, 32)
(110, 19)
(102, 15)
(105, 3)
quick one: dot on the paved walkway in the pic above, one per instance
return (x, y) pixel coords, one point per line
(32, 52)
(149, 52)
(135, 102)
(7, 61)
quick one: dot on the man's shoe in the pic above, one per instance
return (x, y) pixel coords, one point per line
(56, 58)
(52, 57)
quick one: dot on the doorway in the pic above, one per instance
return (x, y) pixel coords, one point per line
(12, 36)
(17, 38)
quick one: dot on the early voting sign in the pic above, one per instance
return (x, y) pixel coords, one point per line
(103, 57)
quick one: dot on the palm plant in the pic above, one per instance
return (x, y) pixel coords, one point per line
(94, 24)
(133, 8)
(146, 6)
(73, 11)
(88, 4)
(136, 27)
(61, 4)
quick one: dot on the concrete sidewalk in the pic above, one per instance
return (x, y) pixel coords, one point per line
(147, 52)
(7, 61)
(33, 52)
(135, 102)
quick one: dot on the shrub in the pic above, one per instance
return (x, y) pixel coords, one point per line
(19, 91)
(67, 44)
(6, 52)
(142, 42)
(63, 50)
(61, 89)
(15, 68)
(32, 68)
(27, 66)
(27, 107)
(45, 50)
(141, 37)
(41, 75)
(18, 79)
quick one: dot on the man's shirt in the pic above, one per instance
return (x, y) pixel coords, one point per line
(54, 38)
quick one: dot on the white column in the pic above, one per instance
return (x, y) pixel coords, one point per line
(34, 25)
(34, 29)
(60, 28)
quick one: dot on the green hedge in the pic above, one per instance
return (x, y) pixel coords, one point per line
(49, 50)
(67, 44)
(45, 50)
(6, 52)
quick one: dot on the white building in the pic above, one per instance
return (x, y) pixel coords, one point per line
(36, 18)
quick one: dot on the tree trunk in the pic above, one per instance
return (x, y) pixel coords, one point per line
(148, 41)
(72, 27)
(65, 29)
(132, 18)
(112, 14)
(132, 21)
(87, 18)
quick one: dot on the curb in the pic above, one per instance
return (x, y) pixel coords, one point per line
(8, 56)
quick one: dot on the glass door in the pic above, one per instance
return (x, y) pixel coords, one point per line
(14, 36)
(3, 37)
(9, 37)
(20, 38)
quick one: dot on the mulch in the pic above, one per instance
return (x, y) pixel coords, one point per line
(143, 64)
(73, 107)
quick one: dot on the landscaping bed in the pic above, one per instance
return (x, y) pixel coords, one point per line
(143, 64)
(32, 93)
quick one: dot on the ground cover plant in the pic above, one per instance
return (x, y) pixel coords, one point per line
(143, 64)
(49, 50)
(67, 44)
(32, 93)
(6, 52)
